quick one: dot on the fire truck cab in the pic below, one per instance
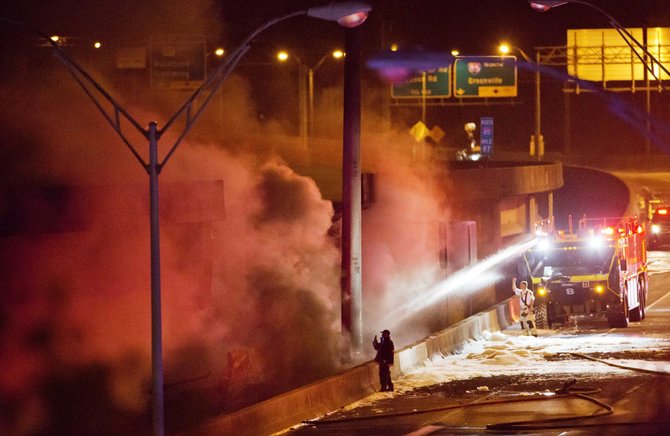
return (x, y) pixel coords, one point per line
(599, 270)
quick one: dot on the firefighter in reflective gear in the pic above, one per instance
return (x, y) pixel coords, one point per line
(526, 301)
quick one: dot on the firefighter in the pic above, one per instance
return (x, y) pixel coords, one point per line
(384, 359)
(526, 302)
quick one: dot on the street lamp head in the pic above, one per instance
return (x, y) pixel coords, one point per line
(504, 48)
(282, 56)
(338, 54)
(545, 5)
(347, 14)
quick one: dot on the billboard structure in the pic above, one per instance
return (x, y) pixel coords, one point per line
(601, 55)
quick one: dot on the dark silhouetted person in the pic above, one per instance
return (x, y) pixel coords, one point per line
(384, 359)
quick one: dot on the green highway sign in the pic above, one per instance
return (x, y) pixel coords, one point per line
(437, 84)
(485, 76)
(177, 62)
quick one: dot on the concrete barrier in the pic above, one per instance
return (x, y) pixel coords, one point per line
(318, 398)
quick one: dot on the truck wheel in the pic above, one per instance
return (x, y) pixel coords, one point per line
(542, 316)
(635, 315)
(618, 318)
(638, 313)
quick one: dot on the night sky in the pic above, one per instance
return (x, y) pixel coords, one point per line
(473, 27)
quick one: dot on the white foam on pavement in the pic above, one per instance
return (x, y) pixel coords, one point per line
(509, 353)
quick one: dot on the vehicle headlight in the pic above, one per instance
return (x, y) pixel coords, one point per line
(544, 244)
(542, 291)
(655, 228)
(600, 289)
(596, 242)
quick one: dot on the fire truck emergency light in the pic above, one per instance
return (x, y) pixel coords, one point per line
(607, 231)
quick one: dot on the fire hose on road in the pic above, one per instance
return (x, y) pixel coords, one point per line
(566, 392)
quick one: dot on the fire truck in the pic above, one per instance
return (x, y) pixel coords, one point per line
(601, 269)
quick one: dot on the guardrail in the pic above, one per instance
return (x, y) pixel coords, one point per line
(316, 399)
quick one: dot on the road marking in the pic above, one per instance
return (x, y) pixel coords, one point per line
(652, 304)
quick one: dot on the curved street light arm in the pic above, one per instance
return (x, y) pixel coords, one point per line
(331, 12)
(192, 118)
(86, 82)
(525, 56)
(116, 122)
(624, 33)
(321, 61)
(218, 76)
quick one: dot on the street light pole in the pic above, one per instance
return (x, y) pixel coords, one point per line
(347, 14)
(337, 54)
(306, 93)
(153, 169)
(352, 283)
(303, 105)
(538, 139)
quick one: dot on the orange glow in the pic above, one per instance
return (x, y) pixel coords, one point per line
(282, 56)
(607, 231)
(662, 211)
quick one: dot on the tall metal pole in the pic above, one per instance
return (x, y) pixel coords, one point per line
(423, 97)
(310, 105)
(539, 143)
(647, 139)
(156, 332)
(303, 104)
(352, 295)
